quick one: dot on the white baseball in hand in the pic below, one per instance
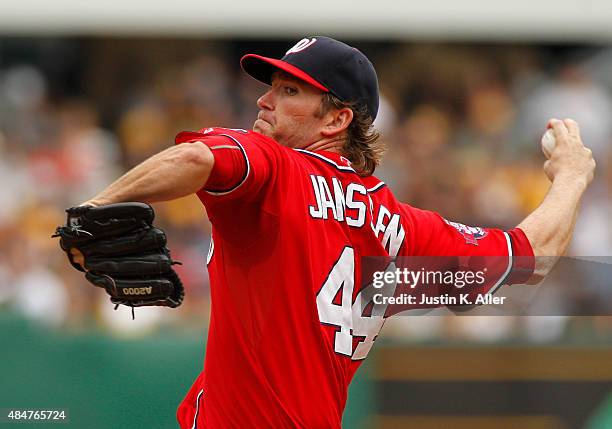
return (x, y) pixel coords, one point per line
(548, 143)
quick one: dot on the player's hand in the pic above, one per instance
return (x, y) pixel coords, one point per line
(570, 160)
(78, 257)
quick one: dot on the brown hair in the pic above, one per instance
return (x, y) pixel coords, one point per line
(362, 146)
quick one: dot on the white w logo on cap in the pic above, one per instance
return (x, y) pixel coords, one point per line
(301, 45)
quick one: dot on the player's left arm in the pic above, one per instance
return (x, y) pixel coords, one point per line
(570, 168)
(534, 246)
(508, 253)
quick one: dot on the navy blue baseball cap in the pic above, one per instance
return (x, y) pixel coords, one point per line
(328, 65)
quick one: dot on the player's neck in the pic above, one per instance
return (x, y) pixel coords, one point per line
(330, 145)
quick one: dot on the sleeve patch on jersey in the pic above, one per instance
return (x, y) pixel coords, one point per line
(471, 233)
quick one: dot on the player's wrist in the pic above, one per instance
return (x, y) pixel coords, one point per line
(571, 181)
(94, 203)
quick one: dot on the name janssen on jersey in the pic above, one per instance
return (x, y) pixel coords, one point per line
(334, 202)
(350, 205)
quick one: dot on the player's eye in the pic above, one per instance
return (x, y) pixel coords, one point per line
(289, 90)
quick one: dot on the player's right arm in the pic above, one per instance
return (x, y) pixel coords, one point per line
(173, 173)
(218, 162)
(570, 168)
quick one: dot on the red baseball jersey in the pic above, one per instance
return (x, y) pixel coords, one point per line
(287, 329)
(284, 274)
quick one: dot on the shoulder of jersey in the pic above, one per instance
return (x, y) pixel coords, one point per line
(236, 133)
(373, 184)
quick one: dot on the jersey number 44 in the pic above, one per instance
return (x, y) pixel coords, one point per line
(337, 308)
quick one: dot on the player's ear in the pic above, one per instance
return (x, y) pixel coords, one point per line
(337, 120)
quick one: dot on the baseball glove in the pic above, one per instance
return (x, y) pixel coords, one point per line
(119, 249)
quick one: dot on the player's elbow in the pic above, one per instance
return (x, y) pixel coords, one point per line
(536, 278)
(542, 267)
(547, 247)
(198, 156)
(546, 256)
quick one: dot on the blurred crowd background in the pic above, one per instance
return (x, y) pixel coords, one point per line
(462, 124)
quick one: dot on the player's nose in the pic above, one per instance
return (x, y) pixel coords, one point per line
(266, 102)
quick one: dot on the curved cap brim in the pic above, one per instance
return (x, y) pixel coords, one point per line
(262, 68)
